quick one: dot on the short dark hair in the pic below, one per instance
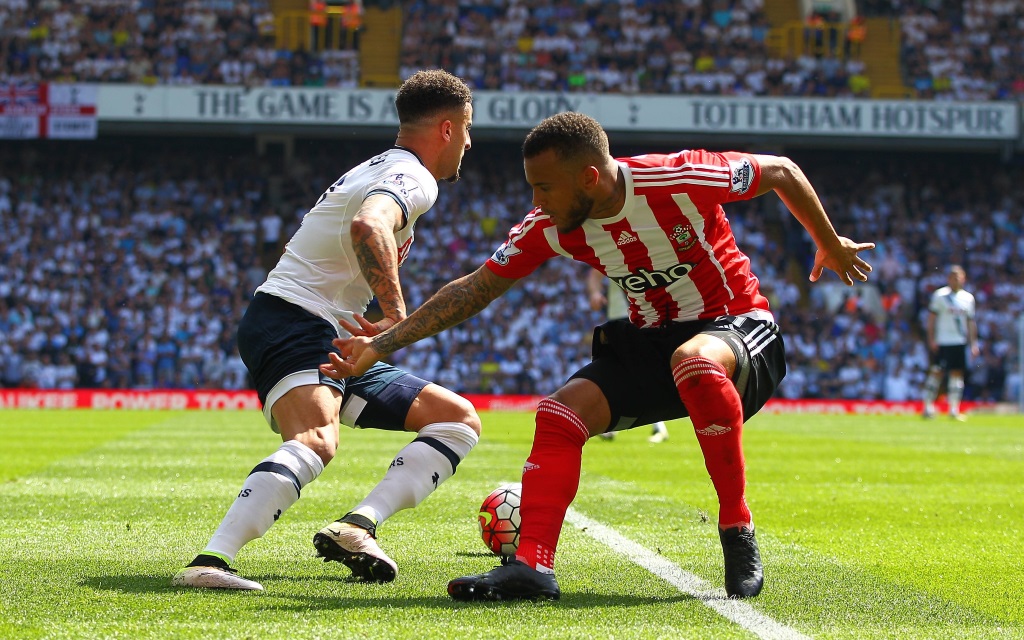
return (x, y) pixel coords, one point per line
(429, 93)
(571, 135)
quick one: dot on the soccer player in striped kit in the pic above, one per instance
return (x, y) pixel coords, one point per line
(699, 339)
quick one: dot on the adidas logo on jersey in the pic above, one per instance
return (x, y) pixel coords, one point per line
(625, 238)
(530, 466)
(713, 430)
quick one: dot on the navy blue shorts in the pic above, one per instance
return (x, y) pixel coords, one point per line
(283, 346)
(633, 366)
(951, 357)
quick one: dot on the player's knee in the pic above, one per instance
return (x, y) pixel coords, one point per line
(466, 413)
(438, 404)
(323, 441)
(720, 353)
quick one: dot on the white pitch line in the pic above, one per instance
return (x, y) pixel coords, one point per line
(737, 611)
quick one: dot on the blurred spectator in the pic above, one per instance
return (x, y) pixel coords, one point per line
(159, 42)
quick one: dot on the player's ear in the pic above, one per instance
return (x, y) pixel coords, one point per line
(446, 130)
(590, 176)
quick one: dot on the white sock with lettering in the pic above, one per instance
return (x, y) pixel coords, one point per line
(272, 486)
(418, 469)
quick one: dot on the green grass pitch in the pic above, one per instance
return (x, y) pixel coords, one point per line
(870, 527)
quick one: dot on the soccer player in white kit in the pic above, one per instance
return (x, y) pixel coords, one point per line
(951, 331)
(699, 340)
(346, 252)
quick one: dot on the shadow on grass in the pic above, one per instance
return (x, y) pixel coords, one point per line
(279, 598)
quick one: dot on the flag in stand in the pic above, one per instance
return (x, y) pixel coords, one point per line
(30, 110)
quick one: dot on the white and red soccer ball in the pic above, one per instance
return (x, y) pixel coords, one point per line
(499, 519)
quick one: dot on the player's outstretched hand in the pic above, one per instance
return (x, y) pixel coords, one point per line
(365, 327)
(844, 260)
(357, 356)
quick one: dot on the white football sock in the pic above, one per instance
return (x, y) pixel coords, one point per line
(272, 486)
(931, 389)
(418, 469)
(955, 393)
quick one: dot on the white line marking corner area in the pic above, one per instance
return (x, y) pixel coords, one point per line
(737, 611)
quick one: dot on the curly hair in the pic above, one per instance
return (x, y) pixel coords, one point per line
(571, 135)
(428, 93)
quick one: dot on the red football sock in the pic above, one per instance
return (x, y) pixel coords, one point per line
(717, 414)
(551, 477)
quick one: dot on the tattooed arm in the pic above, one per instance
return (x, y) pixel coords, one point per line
(455, 302)
(376, 251)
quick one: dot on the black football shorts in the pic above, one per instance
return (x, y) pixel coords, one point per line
(632, 366)
(283, 346)
(951, 357)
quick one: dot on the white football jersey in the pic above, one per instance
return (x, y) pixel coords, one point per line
(318, 270)
(952, 311)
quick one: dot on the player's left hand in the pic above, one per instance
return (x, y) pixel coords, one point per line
(844, 260)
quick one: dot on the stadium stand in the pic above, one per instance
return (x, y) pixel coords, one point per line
(162, 42)
(130, 266)
(941, 49)
(717, 48)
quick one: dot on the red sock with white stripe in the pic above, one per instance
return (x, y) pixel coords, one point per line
(717, 414)
(551, 478)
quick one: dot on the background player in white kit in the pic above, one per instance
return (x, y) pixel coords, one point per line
(617, 307)
(700, 339)
(347, 251)
(951, 331)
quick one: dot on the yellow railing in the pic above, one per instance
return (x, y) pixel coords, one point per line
(294, 30)
(827, 39)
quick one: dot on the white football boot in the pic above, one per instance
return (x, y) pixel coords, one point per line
(213, 578)
(356, 547)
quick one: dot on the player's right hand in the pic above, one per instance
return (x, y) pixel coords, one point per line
(357, 356)
(844, 261)
(365, 327)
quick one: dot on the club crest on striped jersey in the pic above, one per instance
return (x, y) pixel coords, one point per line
(682, 237)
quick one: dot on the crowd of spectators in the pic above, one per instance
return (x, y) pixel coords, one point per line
(158, 42)
(130, 265)
(963, 49)
(715, 47)
(952, 49)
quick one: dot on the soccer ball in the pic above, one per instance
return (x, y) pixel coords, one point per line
(499, 519)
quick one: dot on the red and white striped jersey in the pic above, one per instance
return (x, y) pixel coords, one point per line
(670, 249)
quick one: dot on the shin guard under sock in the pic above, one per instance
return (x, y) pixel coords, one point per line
(717, 414)
(551, 478)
